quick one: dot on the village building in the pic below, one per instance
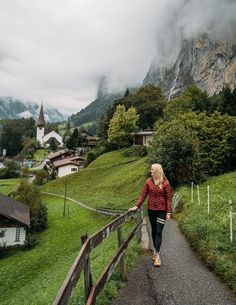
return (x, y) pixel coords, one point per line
(14, 219)
(58, 155)
(90, 141)
(68, 165)
(45, 139)
(143, 137)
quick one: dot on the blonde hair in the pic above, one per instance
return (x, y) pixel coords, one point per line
(158, 174)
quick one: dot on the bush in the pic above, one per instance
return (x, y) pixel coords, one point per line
(30, 241)
(30, 195)
(41, 177)
(11, 170)
(178, 152)
(3, 249)
(91, 156)
(193, 146)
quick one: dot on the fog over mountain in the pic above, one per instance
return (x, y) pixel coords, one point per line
(60, 49)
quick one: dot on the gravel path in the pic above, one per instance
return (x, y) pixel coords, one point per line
(181, 280)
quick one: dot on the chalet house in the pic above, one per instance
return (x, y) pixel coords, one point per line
(58, 155)
(143, 137)
(90, 141)
(14, 219)
(68, 165)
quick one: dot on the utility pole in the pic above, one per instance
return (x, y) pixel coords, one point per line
(64, 210)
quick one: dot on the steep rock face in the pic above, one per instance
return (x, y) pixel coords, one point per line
(207, 62)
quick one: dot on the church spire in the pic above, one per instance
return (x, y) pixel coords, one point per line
(41, 121)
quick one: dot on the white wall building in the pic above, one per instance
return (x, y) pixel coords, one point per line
(14, 219)
(68, 166)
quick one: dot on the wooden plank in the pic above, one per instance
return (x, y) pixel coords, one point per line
(63, 295)
(88, 283)
(109, 269)
(122, 260)
(98, 237)
(140, 218)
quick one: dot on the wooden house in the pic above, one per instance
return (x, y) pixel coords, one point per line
(143, 137)
(14, 219)
(68, 165)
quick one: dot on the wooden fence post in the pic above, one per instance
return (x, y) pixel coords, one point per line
(122, 260)
(230, 221)
(191, 192)
(88, 283)
(140, 218)
(208, 199)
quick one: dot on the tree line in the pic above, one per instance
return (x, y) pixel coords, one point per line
(195, 134)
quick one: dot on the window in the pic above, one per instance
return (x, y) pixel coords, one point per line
(17, 234)
(74, 169)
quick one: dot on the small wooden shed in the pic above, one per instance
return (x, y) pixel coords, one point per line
(14, 219)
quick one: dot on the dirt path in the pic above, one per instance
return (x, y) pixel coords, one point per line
(181, 280)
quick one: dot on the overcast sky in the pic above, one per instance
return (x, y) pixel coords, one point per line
(58, 50)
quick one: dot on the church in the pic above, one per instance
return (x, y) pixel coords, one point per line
(45, 139)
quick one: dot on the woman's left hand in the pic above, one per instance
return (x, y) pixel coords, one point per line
(168, 217)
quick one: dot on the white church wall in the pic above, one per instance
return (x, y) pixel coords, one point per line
(40, 135)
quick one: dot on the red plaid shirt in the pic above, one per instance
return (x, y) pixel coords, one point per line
(158, 200)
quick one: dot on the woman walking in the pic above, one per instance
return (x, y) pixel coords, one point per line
(158, 190)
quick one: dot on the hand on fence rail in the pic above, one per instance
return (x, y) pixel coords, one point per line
(133, 209)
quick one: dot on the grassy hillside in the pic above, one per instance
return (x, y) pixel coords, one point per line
(112, 180)
(34, 276)
(209, 234)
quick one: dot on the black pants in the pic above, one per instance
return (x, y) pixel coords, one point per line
(157, 221)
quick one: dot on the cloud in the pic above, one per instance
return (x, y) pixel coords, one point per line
(58, 50)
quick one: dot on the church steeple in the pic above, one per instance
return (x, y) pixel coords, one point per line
(40, 127)
(41, 121)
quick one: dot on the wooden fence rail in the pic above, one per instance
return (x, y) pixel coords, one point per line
(82, 262)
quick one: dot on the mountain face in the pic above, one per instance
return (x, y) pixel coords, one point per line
(207, 62)
(105, 99)
(15, 109)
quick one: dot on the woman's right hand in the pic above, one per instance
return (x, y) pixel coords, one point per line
(133, 209)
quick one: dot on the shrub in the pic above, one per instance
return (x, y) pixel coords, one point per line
(30, 241)
(178, 152)
(30, 195)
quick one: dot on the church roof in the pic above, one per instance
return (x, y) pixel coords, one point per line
(41, 121)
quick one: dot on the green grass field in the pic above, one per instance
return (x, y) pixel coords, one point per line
(33, 277)
(209, 234)
(40, 154)
(8, 185)
(114, 180)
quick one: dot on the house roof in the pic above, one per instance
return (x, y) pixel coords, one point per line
(41, 121)
(65, 162)
(76, 158)
(57, 154)
(14, 210)
(144, 133)
(53, 134)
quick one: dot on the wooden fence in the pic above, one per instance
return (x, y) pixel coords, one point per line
(82, 262)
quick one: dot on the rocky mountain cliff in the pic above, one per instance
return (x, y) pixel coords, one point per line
(105, 99)
(14, 109)
(207, 62)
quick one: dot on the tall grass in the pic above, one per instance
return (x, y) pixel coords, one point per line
(209, 234)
